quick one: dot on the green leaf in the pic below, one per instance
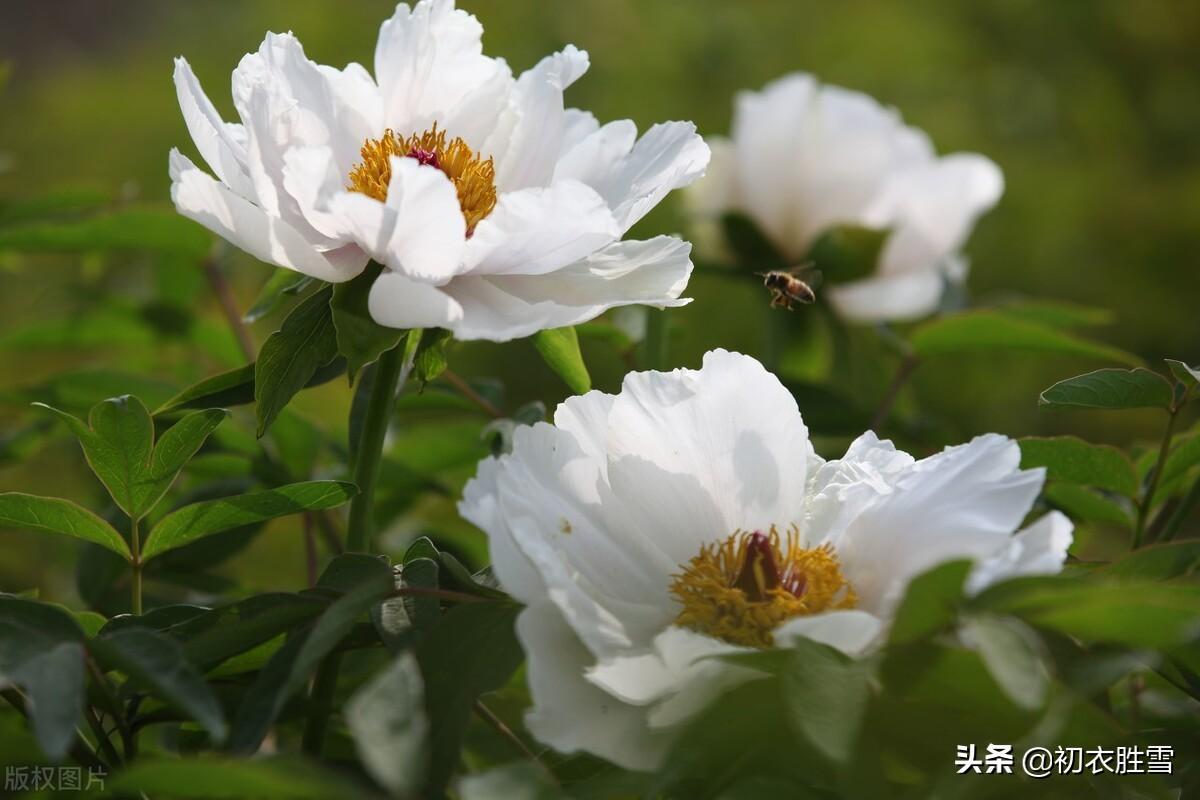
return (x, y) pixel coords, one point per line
(174, 450)
(750, 246)
(157, 662)
(236, 388)
(211, 638)
(846, 253)
(289, 669)
(213, 778)
(1188, 376)
(128, 229)
(1081, 503)
(931, 602)
(360, 339)
(1184, 455)
(559, 348)
(1111, 389)
(291, 356)
(1132, 613)
(213, 516)
(1158, 562)
(1012, 654)
(55, 515)
(1056, 314)
(472, 650)
(826, 697)
(987, 331)
(41, 650)
(387, 720)
(1071, 459)
(282, 282)
(427, 348)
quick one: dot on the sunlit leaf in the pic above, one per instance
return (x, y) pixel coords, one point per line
(291, 356)
(1111, 389)
(1082, 503)
(213, 516)
(1072, 460)
(360, 339)
(1158, 562)
(560, 350)
(54, 515)
(235, 388)
(986, 331)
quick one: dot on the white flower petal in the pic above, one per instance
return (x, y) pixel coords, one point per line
(504, 307)
(592, 157)
(668, 156)
(880, 298)
(932, 208)
(678, 675)
(964, 502)
(717, 191)
(398, 302)
(568, 712)
(218, 145)
(215, 206)
(731, 424)
(541, 229)
(480, 505)
(527, 142)
(428, 60)
(852, 631)
(1040, 549)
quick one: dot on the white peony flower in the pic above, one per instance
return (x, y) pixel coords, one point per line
(689, 516)
(496, 211)
(804, 157)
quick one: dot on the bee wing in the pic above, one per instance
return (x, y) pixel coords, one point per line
(810, 275)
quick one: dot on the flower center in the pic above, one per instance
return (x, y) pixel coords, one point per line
(473, 176)
(742, 588)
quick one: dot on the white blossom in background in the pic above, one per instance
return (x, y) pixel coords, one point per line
(496, 211)
(689, 516)
(803, 157)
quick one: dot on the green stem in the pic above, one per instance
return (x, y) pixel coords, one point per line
(320, 704)
(390, 372)
(102, 740)
(136, 547)
(656, 347)
(1148, 499)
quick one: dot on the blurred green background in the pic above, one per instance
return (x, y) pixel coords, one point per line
(1092, 109)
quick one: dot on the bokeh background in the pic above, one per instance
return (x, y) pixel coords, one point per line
(1092, 109)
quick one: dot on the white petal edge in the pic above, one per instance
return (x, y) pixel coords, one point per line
(198, 196)
(398, 302)
(852, 631)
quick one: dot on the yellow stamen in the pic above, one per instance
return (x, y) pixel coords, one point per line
(474, 177)
(725, 597)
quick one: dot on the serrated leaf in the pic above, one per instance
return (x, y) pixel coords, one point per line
(1111, 389)
(1072, 460)
(986, 331)
(387, 720)
(157, 662)
(213, 516)
(291, 356)
(55, 515)
(473, 649)
(289, 669)
(559, 348)
(360, 339)
(281, 283)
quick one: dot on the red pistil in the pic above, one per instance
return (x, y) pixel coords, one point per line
(427, 157)
(760, 572)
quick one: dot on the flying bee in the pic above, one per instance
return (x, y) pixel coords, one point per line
(795, 285)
